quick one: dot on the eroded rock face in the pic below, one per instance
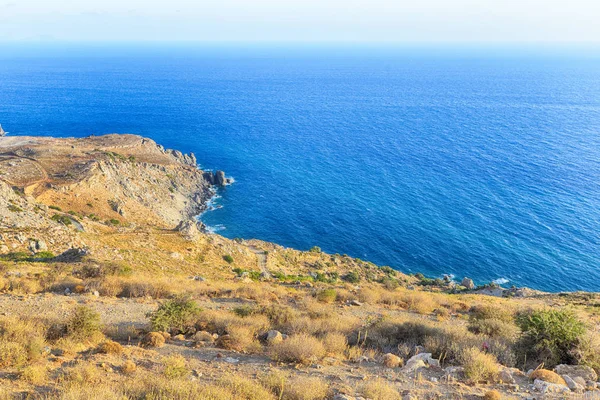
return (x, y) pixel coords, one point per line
(468, 283)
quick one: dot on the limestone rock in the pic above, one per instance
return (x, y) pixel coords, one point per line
(574, 386)
(547, 387)
(468, 283)
(274, 337)
(413, 365)
(573, 371)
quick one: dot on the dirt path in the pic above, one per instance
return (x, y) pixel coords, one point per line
(262, 257)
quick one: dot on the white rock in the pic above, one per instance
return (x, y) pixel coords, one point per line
(547, 387)
(413, 365)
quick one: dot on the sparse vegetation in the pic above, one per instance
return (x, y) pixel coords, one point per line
(175, 316)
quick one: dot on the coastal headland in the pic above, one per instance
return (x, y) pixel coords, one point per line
(111, 288)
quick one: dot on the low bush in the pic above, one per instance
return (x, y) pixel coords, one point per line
(110, 347)
(12, 354)
(83, 323)
(327, 295)
(175, 316)
(175, 367)
(302, 349)
(479, 366)
(240, 387)
(335, 343)
(153, 339)
(35, 374)
(380, 389)
(306, 388)
(128, 367)
(550, 336)
(492, 395)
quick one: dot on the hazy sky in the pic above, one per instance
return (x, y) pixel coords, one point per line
(302, 20)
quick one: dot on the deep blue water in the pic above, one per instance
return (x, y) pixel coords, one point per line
(475, 163)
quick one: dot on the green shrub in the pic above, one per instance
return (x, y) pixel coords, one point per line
(14, 208)
(83, 323)
(228, 258)
(315, 249)
(244, 311)
(550, 336)
(352, 277)
(175, 315)
(327, 295)
(57, 208)
(61, 219)
(175, 367)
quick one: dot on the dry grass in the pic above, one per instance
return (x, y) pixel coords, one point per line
(129, 367)
(547, 376)
(380, 389)
(175, 366)
(35, 374)
(302, 349)
(244, 388)
(335, 343)
(306, 388)
(492, 395)
(110, 347)
(479, 366)
(153, 339)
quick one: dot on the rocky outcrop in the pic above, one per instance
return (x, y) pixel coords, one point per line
(468, 283)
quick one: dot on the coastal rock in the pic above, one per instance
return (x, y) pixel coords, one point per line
(468, 283)
(220, 179)
(37, 245)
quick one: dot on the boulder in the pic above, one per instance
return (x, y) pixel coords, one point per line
(274, 337)
(505, 375)
(547, 387)
(392, 361)
(573, 371)
(574, 386)
(468, 283)
(426, 358)
(190, 229)
(413, 365)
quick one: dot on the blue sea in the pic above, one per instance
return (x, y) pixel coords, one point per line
(467, 161)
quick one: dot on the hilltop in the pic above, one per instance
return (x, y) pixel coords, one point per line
(109, 288)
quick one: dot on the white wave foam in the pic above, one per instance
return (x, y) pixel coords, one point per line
(501, 281)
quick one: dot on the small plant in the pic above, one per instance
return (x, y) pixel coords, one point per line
(380, 389)
(113, 222)
(128, 367)
(153, 339)
(175, 367)
(83, 323)
(61, 219)
(228, 258)
(57, 208)
(352, 277)
(301, 348)
(14, 208)
(315, 249)
(110, 347)
(479, 366)
(327, 295)
(175, 315)
(244, 311)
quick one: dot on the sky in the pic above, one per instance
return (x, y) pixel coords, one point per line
(435, 21)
